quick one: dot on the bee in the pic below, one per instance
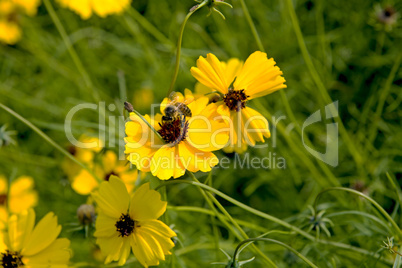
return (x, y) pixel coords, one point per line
(175, 118)
(175, 109)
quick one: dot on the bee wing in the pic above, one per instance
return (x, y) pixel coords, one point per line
(175, 97)
(189, 98)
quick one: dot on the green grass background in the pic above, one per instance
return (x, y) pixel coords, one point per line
(354, 60)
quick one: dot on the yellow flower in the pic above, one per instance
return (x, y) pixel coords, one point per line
(85, 8)
(85, 154)
(125, 222)
(20, 197)
(10, 30)
(143, 99)
(238, 83)
(185, 144)
(24, 245)
(84, 183)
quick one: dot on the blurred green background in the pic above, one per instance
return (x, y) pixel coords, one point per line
(356, 58)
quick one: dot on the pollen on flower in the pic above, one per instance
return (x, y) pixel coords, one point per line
(11, 259)
(125, 225)
(235, 99)
(174, 131)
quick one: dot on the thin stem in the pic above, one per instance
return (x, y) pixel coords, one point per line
(208, 197)
(261, 47)
(178, 52)
(274, 219)
(321, 87)
(372, 201)
(252, 25)
(48, 139)
(383, 97)
(148, 124)
(70, 49)
(149, 27)
(276, 242)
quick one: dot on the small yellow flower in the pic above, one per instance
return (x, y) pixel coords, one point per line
(26, 245)
(85, 8)
(238, 83)
(20, 197)
(84, 183)
(10, 10)
(125, 222)
(185, 144)
(85, 154)
(143, 99)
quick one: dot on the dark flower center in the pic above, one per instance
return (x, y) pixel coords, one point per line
(11, 259)
(235, 99)
(125, 225)
(173, 131)
(3, 199)
(107, 176)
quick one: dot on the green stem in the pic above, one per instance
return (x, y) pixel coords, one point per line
(48, 139)
(321, 87)
(274, 219)
(208, 197)
(276, 242)
(70, 49)
(149, 27)
(383, 97)
(372, 201)
(261, 47)
(178, 52)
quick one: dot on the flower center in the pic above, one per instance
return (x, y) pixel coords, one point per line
(235, 99)
(3, 199)
(173, 131)
(125, 225)
(107, 176)
(11, 259)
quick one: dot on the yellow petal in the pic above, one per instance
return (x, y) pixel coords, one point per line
(84, 183)
(161, 232)
(207, 131)
(44, 234)
(195, 160)
(22, 196)
(259, 76)
(112, 197)
(81, 7)
(111, 247)
(143, 251)
(254, 125)
(107, 7)
(166, 163)
(105, 226)
(233, 68)
(211, 73)
(55, 255)
(20, 228)
(109, 160)
(30, 6)
(146, 204)
(10, 32)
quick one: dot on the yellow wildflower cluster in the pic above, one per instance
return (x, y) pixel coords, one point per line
(10, 12)
(183, 136)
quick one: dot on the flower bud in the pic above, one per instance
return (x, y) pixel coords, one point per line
(86, 214)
